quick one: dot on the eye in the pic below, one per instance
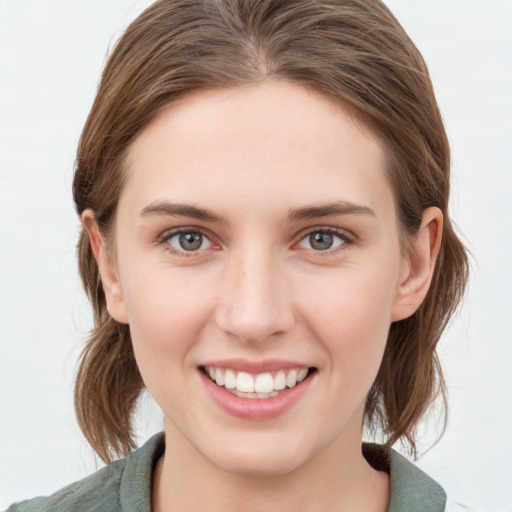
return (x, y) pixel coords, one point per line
(188, 241)
(323, 240)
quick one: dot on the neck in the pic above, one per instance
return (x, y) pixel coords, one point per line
(338, 478)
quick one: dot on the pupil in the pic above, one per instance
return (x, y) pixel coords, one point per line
(321, 241)
(191, 241)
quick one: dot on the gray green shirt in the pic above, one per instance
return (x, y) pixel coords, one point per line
(125, 485)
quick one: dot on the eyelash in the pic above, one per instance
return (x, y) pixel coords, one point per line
(338, 233)
(165, 237)
(342, 235)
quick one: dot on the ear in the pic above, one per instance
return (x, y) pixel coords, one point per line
(418, 265)
(108, 272)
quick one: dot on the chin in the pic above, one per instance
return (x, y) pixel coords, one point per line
(262, 459)
(261, 467)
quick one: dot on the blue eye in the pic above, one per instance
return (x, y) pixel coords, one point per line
(322, 240)
(188, 241)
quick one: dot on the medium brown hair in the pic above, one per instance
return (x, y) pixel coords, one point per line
(354, 52)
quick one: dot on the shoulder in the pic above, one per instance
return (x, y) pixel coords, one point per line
(411, 488)
(97, 492)
(127, 481)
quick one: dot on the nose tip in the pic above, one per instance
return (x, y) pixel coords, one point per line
(255, 305)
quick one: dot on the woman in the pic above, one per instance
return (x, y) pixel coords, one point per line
(263, 188)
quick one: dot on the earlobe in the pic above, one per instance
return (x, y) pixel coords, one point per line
(108, 272)
(419, 265)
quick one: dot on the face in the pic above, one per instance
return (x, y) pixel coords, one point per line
(257, 246)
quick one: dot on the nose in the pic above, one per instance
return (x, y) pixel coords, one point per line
(254, 303)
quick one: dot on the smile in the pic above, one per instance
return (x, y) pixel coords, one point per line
(259, 386)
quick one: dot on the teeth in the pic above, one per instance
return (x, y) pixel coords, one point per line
(219, 377)
(230, 379)
(301, 374)
(280, 381)
(291, 379)
(253, 395)
(263, 385)
(245, 382)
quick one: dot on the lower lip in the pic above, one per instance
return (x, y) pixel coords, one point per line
(256, 408)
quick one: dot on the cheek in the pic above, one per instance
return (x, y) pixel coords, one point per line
(166, 317)
(352, 319)
(166, 323)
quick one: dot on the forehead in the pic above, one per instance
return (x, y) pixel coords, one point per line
(272, 141)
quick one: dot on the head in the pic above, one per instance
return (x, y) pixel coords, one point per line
(352, 54)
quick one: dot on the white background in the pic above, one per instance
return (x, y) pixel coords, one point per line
(52, 53)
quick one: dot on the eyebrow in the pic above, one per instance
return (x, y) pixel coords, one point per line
(181, 210)
(329, 209)
(309, 212)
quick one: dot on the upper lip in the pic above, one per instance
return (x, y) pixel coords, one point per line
(255, 367)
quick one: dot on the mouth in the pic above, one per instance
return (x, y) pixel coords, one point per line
(258, 386)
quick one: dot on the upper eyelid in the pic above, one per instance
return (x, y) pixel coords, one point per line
(169, 233)
(165, 236)
(342, 233)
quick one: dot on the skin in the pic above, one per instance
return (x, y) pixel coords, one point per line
(257, 290)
